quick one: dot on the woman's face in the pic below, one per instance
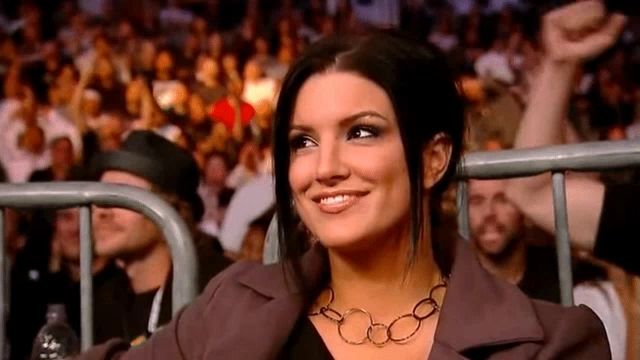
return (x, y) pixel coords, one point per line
(348, 173)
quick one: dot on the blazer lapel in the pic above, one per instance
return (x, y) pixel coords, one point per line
(270, 309)
(480, 310)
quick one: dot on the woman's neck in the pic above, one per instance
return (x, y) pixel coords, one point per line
(380, 281)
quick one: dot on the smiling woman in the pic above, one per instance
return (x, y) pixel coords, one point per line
(367, 135)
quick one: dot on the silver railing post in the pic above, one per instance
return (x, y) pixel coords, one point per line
(563, 247)
(86, 278)
(71, 194)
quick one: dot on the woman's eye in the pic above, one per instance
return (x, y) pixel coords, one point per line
(362, 132)
(301, 142)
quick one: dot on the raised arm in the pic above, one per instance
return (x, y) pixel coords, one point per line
(570, 34)
(75, 105)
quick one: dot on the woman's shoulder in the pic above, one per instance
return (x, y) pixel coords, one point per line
(250, 275)
(576, 330)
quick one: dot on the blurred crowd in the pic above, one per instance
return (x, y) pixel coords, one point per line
(78, 76)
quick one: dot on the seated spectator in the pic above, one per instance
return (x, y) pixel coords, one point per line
(137, 243)
(257, 88)
(498, 235)
(212, 185)
(24, 154)
(248, 166)
(234, 113)
(254, 240)
(208, 86)
(62, 159)
(107, 84)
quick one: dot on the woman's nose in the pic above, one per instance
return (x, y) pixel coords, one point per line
(331, 166)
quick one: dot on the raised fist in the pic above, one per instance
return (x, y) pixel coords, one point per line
(580, 31)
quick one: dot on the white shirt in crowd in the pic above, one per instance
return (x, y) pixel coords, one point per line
(249, 202)
(602, 298)
(18, 164)
(494, 65)
(257, 91)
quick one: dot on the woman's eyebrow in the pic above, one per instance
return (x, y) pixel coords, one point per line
(344, 121)
(362, 114)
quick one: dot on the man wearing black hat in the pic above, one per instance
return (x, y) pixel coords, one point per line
(151, 162)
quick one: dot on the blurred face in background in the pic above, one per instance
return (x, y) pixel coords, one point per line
(67, 234)
(104, 69)
(91, 103)
(215, 45)
(208, 69)
(120, 232)
(181, 95)
(262, 46)
(164, 62)
(110, 133)
(197, 111)
(216, 171)
(496, 224)
(230, 64)
(147, 55)
(62, 153)
(252, 71)
(33, 140)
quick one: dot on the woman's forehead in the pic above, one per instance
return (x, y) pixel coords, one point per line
(335, 95)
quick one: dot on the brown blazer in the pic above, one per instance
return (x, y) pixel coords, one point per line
(248, 312)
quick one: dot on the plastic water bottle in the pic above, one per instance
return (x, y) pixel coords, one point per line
(56, 340)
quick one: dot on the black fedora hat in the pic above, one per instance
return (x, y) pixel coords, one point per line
(158, 160)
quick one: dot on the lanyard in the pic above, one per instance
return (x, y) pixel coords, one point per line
(154, 314)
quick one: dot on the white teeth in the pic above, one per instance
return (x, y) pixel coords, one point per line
(333, 200)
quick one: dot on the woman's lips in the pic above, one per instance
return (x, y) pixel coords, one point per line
(337, 203)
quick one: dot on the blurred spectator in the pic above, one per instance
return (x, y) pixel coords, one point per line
(23, 145)
(254, 240)
(62, 159)
(231, 111)
(248, 202)
(211, 188)
(498, 235)
(137, 243)
(257, 88)
(495, 65)
(443, 35)
(208, 85)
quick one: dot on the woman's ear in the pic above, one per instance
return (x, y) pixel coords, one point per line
(435, 159)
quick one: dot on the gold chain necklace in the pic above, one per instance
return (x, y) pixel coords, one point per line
(380, 334)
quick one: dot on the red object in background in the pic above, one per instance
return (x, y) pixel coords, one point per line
(223, 111)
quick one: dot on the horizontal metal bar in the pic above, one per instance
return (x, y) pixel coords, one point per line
(71, 194)
(590, 156)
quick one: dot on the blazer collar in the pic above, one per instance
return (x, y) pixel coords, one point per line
(478, 310)
(276, 280)
(481, 310)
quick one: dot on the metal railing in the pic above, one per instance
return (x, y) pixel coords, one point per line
(591, 156)
(83, 195)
